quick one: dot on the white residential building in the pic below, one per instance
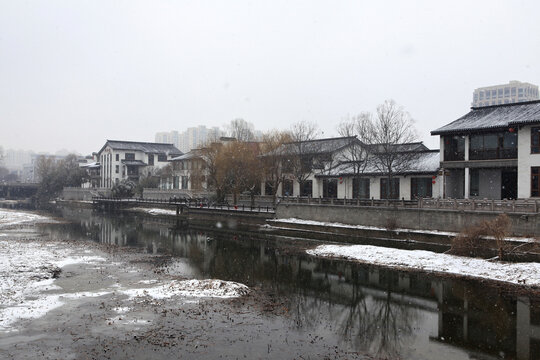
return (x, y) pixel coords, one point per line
(513, 92)
(191, 138)
(130, 160)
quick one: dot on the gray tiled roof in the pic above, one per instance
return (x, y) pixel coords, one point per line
(319, 146)
(493, 117)
(405, 147)
(151, 148)
(426, 162)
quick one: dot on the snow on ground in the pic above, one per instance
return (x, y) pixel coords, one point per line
(156, 211)
(27, 271)
(527, 273)
(365, 227)
(192, 288)
(11, 218)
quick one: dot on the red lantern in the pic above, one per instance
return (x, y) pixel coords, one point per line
(433, 182)
(434, 177)
(511, 130)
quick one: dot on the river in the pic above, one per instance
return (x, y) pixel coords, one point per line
(364, 309)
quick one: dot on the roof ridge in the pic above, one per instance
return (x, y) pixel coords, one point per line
(324, 139)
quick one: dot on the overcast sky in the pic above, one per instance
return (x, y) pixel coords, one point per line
(75, 73)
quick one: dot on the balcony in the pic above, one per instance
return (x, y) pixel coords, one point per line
(493, 154)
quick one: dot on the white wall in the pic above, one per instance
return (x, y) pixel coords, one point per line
(525, 161)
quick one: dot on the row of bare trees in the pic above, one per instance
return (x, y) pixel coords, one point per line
(375, 144)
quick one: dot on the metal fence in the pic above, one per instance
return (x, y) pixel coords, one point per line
(188, 203)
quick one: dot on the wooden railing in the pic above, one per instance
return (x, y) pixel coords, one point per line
(520, 205)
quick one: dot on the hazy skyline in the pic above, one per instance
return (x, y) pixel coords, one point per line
(74, 74)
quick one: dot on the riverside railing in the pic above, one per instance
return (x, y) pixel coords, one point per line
(520, 205)
(189, 203)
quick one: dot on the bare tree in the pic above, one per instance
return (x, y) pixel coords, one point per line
(241, 130)
(392, 133)
(274, 152)
(357, 155)
(299, 160)
(215, 177)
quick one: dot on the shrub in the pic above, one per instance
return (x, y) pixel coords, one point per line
(472, 240)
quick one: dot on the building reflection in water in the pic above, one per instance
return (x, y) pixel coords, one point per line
(368, 309)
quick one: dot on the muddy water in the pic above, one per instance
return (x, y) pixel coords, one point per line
(362, 309)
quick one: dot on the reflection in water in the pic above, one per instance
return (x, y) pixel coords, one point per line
(388, 313)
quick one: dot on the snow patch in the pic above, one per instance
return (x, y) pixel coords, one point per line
(156, 211)
(516, 273)
(11, 218)
(192, 288)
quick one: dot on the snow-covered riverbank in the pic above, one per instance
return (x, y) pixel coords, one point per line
(29, 268)
(516, 273)
(13, 218)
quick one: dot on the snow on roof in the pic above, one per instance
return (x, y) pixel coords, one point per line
(146, 147)
(187, 156)
(427, 162)
(493, 117)
(133, 163)
(93, 165)
(318, 146)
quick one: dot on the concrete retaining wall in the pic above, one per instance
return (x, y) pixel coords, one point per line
(419, 219)
(83, 194)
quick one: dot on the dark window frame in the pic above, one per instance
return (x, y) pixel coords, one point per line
(162, 158)
(535, 140)
(394, 194)
(535, 181)
(416, 184)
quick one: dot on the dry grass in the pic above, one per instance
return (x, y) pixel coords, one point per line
(471, 241)
(391, 224)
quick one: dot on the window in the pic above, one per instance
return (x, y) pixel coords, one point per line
(535, 140)
(500, 92)
(474, 182)
(287, 188)
(176, 182)
(129, 156)
(150, 159)
(330, 188)
(493, 93)
(162, 157)
(535, 181)
(390, 192)
(421, 187)
(360, 188)
(454, 148)
(481, 95)
(184, 182)
(117, 157)
(490, 146)
(506, 91)
(513, 91)
(117, 169)
(306, 188)
(268, 188)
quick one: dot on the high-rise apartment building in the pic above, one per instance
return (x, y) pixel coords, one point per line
(192, 138)
(513, 92)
